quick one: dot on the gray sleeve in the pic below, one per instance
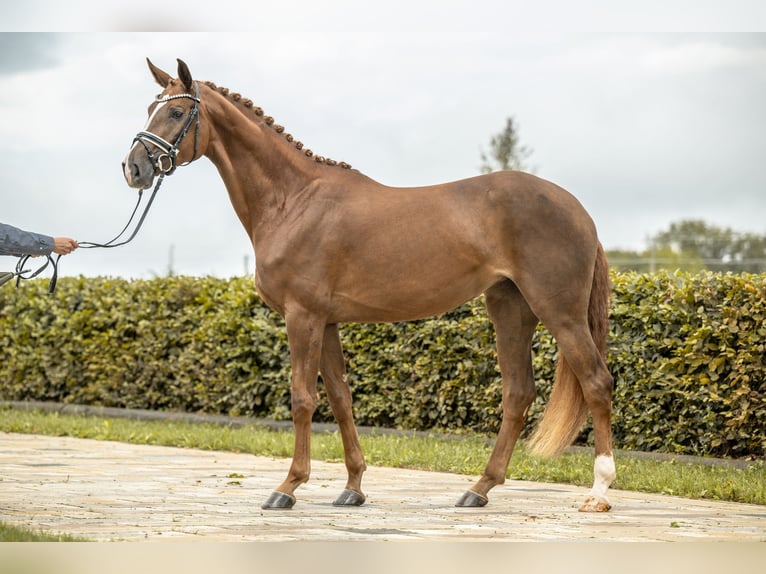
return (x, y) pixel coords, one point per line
(14, 241)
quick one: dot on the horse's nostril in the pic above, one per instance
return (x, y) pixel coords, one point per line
(131, 171)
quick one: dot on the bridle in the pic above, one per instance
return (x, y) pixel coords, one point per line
(169, 151)
(165, 162)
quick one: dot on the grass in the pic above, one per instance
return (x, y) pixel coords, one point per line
(464, 455)
(10, 533)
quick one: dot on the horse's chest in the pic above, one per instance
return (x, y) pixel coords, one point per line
(288, 285)
(270, 295)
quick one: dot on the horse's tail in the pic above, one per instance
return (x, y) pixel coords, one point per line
(567, 411)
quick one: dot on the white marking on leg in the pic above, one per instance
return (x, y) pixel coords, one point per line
(603, 474)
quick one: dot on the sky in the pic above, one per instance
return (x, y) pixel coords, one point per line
(650, 117)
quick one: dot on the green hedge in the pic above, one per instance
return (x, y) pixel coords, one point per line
(687, 353)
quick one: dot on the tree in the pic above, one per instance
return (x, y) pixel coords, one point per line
(692, 245)
(697, 238)
(506, 151)
(750, 252)
(652, 259)
(719, 248)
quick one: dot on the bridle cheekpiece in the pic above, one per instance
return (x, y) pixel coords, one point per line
(165, 161)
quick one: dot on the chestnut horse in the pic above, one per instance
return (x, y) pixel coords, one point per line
(333, 246)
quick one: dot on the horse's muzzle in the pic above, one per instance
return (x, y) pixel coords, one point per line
(138, 172)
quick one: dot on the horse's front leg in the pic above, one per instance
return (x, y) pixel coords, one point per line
(304, 333)
(333, 369)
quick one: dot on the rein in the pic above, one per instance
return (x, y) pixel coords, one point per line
(169, 154)
(22, 273)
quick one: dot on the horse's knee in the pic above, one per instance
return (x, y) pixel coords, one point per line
(303, 406)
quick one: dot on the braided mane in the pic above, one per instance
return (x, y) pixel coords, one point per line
(268, 120)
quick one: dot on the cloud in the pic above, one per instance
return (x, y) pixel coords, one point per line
(634, 125)
(704, 55)
(25, 52)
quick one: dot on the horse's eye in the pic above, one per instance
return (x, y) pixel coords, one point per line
(177, 114)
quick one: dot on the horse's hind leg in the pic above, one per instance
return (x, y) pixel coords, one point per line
(583, 383)
(584, 358)
(514, 327)
(333, 370)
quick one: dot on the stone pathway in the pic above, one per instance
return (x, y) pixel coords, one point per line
(115, 491)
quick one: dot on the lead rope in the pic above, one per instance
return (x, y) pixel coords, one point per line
(25, 274)
(169, 151)
(112, 242)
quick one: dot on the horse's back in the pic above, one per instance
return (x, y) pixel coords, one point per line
(507, 213)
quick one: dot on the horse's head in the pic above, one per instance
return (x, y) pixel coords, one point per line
(171, 136)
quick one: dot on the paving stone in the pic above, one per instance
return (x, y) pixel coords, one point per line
(115, 491)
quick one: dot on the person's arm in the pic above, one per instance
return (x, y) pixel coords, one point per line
(15, 241)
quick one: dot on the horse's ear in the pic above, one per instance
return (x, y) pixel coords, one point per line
(184, 74)
(162, 78)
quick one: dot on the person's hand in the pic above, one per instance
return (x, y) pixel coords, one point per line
(64, 245)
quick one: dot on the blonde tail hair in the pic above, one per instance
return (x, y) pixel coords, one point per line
(567, 411)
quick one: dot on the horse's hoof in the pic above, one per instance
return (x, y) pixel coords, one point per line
(595, 504)
(471, 499)
(278, 500)
(350, 498)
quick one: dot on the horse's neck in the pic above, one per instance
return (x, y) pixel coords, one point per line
(260, 172)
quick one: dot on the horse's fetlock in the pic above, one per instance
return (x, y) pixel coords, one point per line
(300, 478)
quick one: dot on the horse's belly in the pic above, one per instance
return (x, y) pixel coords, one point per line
(396, 298)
